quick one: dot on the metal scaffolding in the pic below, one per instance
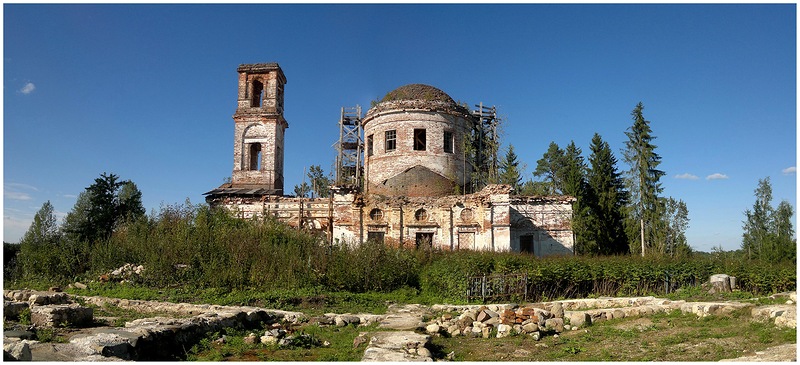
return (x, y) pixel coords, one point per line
(485, 144)
(350, 148)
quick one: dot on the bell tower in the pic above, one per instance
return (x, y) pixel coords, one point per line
(259, 128)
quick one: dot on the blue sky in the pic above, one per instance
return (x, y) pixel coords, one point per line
(147, 91)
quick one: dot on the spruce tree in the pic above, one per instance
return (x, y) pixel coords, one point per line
(606, 198)
(643, 182)
(510, 171)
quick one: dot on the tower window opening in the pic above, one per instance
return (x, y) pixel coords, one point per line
(391, 140)
(419, 140)
(448, 142)
(255, 156)
(369, 145)
(258, 90)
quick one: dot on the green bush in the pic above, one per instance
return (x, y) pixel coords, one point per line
(197, 247)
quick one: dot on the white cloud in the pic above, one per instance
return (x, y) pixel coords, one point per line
(16, 195)
(28, 88)
(789, 170)
(686, 176)
(16, 191)
(717, 176)
(14, 227)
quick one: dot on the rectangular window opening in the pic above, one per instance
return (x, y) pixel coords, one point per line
(375, 236)
(448, 142)
(391, 140)
(419, 140)
(424, 239)
(369, 145)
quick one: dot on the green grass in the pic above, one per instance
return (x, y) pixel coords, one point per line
(673, 336)
(340, 348)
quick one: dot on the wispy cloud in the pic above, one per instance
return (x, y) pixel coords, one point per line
(17, 191)
(22, 186)
(686, 176)
(28, 88)
(717, 176)
(790, 170)
(16, 195)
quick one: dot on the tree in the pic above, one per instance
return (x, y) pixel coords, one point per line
(671, 233)
(102, 207)
(606, 199)
(549, 166)
(320, 184)
(572, 180)
(302, 190)
(643, 181)
(39, 245)
(768, 232)
(510, 171)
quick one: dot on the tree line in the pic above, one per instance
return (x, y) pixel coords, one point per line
(624, 212)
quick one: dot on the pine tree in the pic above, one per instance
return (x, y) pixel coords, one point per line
(320, 183)
(510, 171)
(102, 207)
(549, 166)
(643, 182)
(606, 198)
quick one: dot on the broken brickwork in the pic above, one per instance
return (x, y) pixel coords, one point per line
(414, 167)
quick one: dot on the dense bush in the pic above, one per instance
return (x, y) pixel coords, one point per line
(198, 247)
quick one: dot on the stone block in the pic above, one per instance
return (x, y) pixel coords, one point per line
(13, 309)
(58, 315)
(578, 318)
(556, 324)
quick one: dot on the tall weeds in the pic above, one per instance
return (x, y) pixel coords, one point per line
(194, 246)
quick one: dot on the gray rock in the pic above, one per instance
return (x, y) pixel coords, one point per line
(557, 310)
(80, 285)
(432, 328)
(56, 315)
(556, 324)
(22, 335)
(530, 328)
(19, 350)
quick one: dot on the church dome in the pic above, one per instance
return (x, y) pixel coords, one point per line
(418, 92)
(417, 97)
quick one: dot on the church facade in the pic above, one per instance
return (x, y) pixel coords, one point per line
(413, 165)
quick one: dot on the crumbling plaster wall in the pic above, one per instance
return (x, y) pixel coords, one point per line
(547, 220)
(487, 221)
(383, 165)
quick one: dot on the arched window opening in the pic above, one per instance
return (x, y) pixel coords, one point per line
(255, 156)
(258, 90)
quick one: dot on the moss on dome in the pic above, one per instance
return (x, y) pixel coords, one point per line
(418, 92)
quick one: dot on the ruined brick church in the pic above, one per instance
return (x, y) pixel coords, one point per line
(412, 165)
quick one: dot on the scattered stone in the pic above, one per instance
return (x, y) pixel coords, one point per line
(80, 285)
(17, 350)
(360, 339)
(251, 339)
(220, 340)
(536, 336)
(556, 324)
(557, 310)
(54, 289)
(266, 340)
(432, 329)
(451, 356)
(503, 330)
(530, 327)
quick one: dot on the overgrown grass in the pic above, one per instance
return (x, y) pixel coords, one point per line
(340, 346)
(195, 253)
